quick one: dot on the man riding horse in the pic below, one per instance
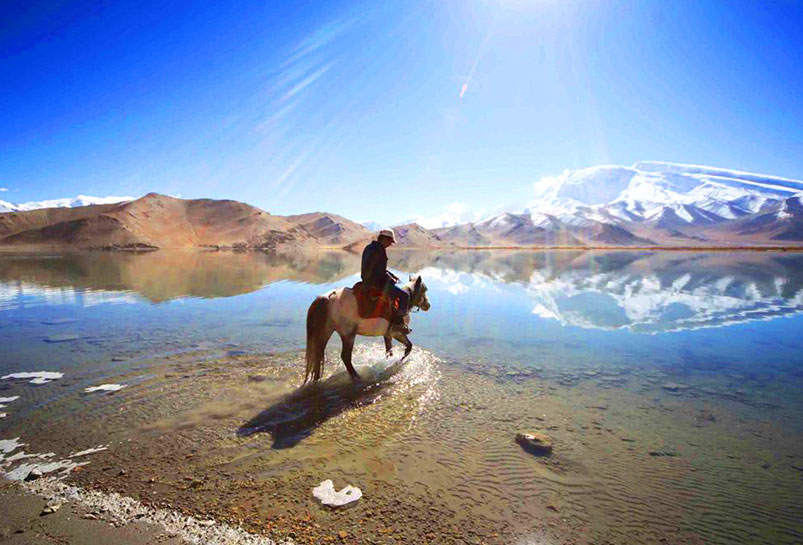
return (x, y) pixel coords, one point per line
(338, 310)
(375, 273)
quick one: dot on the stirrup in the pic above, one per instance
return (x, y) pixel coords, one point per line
(397, 323)
(401, 326)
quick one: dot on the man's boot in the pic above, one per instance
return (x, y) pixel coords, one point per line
(397, 323)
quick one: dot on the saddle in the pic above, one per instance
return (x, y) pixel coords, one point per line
(372, 302)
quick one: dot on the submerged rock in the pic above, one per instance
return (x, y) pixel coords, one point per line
(536, 443)
(51, 507)
(59, 321)
(674, 387)
(327, 494)
(61, 338)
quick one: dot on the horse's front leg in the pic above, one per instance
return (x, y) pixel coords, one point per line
(345, 354)
(408, 345)
(388, 346)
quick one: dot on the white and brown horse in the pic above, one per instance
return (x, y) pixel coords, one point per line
(337, 311)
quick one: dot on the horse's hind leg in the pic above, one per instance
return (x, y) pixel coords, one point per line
(345, 354)
(388, 346)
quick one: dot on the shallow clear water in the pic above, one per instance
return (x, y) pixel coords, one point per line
(691, 311)
(671, 383)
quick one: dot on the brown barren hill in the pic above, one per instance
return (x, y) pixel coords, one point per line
(410, 235)
(158, 221)
(415, 236)
(12, 223)
(331, 229)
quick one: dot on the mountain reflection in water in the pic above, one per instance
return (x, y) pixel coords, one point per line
(646, 292)
(162, 276)
(640, 291)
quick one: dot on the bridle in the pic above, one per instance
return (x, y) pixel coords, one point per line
(414, 307)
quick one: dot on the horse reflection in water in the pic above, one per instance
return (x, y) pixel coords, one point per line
(297, 415)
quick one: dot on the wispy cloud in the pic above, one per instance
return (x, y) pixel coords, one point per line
(318, 39)
(3, 189)
(288, 172)
(309, 68)
(306, 82)
(306, 65)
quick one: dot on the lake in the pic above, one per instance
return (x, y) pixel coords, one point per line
(670, 383)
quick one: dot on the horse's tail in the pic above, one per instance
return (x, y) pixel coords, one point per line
(318, 333)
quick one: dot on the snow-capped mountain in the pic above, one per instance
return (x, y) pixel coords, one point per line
(80, 200)
(648, 203)
(647, 188)
(456, 213)
(372, 225)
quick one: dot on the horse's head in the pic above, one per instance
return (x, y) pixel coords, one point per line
(418, 294)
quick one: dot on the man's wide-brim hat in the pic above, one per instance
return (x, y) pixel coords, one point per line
(388, 233)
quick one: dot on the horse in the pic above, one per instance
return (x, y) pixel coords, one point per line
(337, 311)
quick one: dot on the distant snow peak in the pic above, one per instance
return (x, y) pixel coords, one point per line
(372, 225)
(80, 200)
(457, 213)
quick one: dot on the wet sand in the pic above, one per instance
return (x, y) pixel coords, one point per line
(640, 455)
(22, 523)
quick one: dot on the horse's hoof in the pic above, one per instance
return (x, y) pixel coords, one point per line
(389, 354)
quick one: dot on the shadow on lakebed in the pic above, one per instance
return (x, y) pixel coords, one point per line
(297, 415)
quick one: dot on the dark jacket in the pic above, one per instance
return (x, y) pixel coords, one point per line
(374, 265)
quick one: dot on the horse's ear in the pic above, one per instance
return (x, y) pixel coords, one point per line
(411, 277)
(417, 282)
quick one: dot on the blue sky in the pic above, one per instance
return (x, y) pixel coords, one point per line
(356, 107)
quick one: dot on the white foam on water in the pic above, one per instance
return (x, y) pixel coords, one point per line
(419, 371)
(9, 445)
(39, 377)
(87, 452)
(105, 388)
(3, 415)
(21, 471)
(63, 467)
(22, 456)
(8, 399)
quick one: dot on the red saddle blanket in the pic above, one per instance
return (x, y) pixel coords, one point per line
(373, 302)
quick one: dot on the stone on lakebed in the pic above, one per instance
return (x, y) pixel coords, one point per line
(327, 494)
(534, 442)
(675, 387)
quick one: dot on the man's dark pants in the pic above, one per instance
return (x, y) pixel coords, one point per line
(403, 297)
